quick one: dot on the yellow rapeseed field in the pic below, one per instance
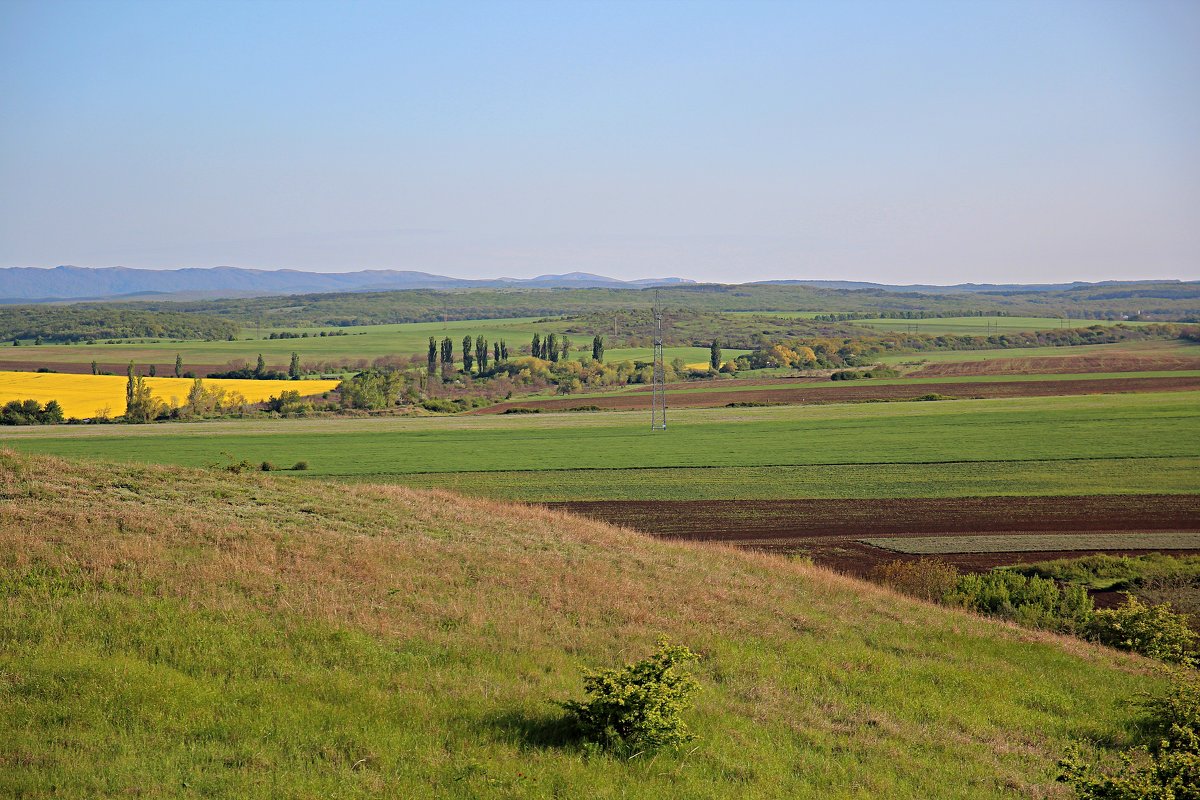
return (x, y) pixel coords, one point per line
(87, 396)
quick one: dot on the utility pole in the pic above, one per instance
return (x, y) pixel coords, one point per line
(658, 387)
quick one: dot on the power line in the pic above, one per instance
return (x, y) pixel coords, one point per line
(658, 386)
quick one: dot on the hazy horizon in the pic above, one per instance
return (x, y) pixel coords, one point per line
(918, 142)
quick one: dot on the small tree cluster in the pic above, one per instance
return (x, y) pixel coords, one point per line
(1152, 630)
(638, 707)
(28, 412)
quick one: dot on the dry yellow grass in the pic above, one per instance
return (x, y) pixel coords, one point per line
(179, 632)
(86, 396)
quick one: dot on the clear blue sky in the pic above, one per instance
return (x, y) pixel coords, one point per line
(892, 141)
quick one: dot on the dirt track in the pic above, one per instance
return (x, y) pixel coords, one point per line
(829, 530)
(857, 391)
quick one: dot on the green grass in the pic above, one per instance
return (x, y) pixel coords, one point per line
(826, 481)
(195, 634)
(1142, 438)
(1032, 543)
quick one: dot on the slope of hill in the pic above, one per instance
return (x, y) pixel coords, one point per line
(67, 283)
(172, 632)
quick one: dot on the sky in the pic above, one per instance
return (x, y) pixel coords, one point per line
(891, 141)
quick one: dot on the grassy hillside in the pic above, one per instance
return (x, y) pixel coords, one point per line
(188, 633)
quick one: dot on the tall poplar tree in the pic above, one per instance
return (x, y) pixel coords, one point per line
(598, 348)
(433, 354)
(550, 347)
(714, 355)
(468, 359)
(536, 347)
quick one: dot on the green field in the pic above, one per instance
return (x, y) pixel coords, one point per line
(366, 342)
(1142, 439)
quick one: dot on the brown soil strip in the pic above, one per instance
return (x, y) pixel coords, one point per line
(828, 530)
(858, 392)
(164, 370)
(1051, 365)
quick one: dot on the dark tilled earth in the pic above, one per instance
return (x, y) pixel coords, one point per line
(857, 391)
(828, 530)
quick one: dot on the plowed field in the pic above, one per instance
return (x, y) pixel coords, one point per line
(1051, 365)
(859, 392)
(830, 531)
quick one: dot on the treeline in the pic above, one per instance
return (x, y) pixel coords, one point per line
(861, 350)
(1148, 300)
(86, 322)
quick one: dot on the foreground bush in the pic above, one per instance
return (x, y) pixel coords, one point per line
(638, 707)
(1166, 767)
(1154, 631)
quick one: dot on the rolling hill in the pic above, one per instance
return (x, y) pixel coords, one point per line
(173, 632)
(92, 283)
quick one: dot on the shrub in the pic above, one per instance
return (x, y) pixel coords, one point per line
(522, 410)
(267, 466)
(638, 707)
(1155, 631)
(300, 465)
(1167, 767)
(1037, 602)
(927, 578)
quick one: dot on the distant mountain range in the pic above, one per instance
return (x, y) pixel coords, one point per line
(959, 288)
(33, 284)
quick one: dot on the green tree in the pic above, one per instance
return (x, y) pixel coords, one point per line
(129, 383)
(261, 366)
(95, 368)
(153, 370)
(481, 353)
(294, 367)
(714, 355)
(598, 348)
(550, 346)
(447, 355)
(140, 405)
(640, 706)
(178, 365)
(566, 349)
(503, 350)
(496, 352)
(468, 359)
(535, 348)
(431, 367)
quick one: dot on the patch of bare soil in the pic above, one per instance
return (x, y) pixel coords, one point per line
(828, 531)
(850, 392)
(1053, 365)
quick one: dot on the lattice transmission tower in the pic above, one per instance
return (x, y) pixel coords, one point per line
(658, 386)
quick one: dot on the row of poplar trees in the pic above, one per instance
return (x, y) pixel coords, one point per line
(476, 354)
